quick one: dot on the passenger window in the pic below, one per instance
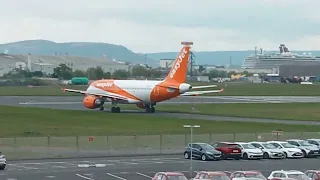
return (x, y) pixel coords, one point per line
(159, 177)
(282, 175)
(202, 176)
(276, 175)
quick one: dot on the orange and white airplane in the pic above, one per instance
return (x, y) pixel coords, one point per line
(143, 93)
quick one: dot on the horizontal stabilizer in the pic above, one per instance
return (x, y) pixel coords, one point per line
(200, 87)
(196, 93)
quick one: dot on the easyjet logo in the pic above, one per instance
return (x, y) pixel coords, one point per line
(108, 84)
(179, 61)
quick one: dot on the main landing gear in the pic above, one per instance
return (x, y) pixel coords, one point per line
(150, 109)
(115, 109)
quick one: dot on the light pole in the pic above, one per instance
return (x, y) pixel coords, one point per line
(191, 134)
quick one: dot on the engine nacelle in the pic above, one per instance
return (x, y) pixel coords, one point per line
(92, 102)
(184, 87)
(141, 106)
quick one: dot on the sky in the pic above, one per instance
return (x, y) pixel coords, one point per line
(145, 26)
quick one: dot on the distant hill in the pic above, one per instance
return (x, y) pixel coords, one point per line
(82, 49)
(121, 53)
(219, 57)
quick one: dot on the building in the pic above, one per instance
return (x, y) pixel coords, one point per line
(46, 64)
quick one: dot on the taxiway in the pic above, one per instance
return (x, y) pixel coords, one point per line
(140, 168)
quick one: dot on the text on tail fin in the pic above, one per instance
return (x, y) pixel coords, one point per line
(179, 70)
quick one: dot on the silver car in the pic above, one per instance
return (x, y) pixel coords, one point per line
(309, 150)
(3, 161)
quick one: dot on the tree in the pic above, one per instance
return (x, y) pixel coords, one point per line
(63, 72)
(79, 73)
(140, 71)
(120, 74)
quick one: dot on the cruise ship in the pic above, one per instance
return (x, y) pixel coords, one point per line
(273, 60)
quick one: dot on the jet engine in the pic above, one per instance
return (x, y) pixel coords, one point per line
(184, 88)
(92, 102)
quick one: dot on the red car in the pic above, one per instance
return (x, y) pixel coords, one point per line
(169, 176)
(247, 174)
(228, 150)
(212, 175)
(313, 174)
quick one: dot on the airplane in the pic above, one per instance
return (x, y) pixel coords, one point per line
(145, 94)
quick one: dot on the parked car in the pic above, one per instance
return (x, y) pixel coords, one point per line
(228, 150)
(308, 150)
(249, 152)
(289, 150)
(3, 161)
(314, 142)
(269, 150)
(202, 151)
(247, 174)
(297, 175)
(313, 174)
(169, 176)
(211, 175)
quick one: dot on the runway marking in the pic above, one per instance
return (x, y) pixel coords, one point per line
(84, 177)
(48, 103)
(50, 176)
(144, 175)
(116, 176)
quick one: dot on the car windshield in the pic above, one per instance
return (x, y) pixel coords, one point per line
(287, 145)
(299, 176)
(177, 178)
(268, 146)
(206, 147)
(305, 143)
(219, 177)
(260, 176)
(248, 146)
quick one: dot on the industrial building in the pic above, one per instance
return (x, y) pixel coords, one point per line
(46, 64)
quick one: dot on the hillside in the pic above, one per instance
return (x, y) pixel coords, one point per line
(218, 57)
(81, 49)
(121, 53)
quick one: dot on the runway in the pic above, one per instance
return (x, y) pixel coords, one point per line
(75, 103)
(141, 168)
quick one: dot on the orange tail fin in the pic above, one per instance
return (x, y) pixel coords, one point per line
(178, 72)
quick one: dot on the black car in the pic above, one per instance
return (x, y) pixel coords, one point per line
(202, 151)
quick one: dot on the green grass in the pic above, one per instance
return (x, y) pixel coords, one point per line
(230, 89)
(25, 121)
(285, 111)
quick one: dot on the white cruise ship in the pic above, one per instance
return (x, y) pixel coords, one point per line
(273, 60)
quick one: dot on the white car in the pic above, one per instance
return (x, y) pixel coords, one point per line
(269, 150)
(308, 150)
(249, 152)
(314, 142)
(298, 175)
(3, 161)
(290, 151)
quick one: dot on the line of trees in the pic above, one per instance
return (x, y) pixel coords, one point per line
(65, 72)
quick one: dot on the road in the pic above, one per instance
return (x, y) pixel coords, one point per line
(140, 168)
(75, 103)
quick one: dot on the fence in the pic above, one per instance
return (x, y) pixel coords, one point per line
(84, 146)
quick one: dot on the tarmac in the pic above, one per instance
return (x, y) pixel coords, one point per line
(140, 168)
(75, 103)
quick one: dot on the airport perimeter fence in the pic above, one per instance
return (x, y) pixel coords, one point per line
(99, 146)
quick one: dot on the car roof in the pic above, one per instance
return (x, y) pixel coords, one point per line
(314, 139)
(278, 141)
(214, 172)
(226, 142)
(248, 172)
(289, 171)
(295, 140)
(241, 143)
(316, 171)
(259, 142)
(172, 173)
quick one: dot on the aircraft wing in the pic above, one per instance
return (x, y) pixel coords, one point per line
(96, 94)
(200, 87)
(196, 93)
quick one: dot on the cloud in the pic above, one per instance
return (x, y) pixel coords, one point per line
(150, 26)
